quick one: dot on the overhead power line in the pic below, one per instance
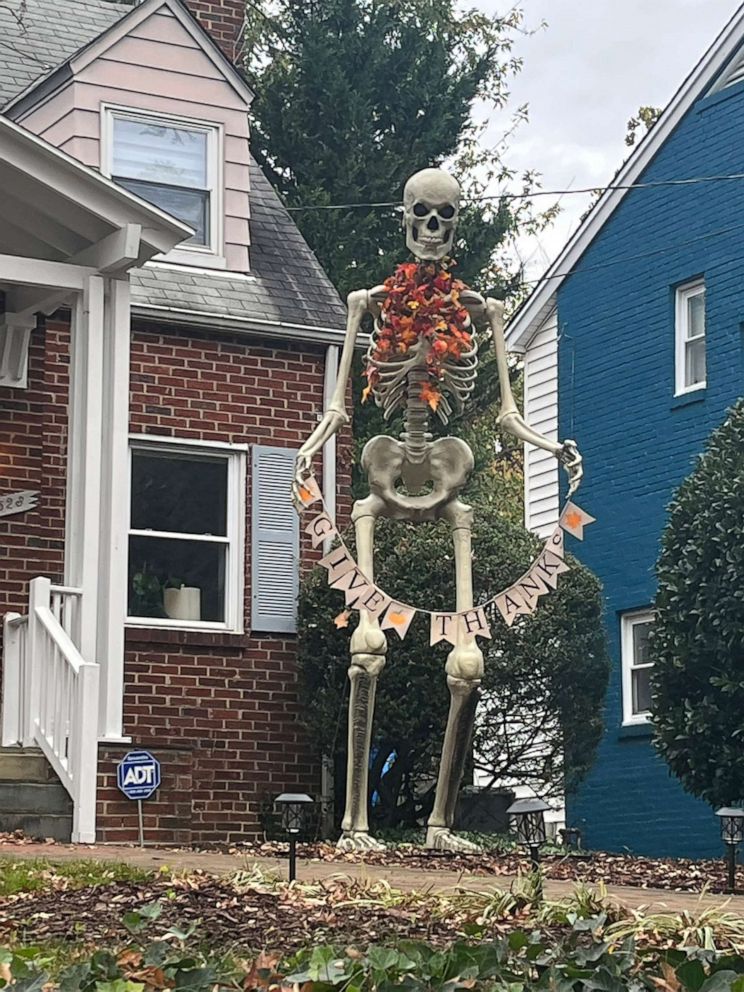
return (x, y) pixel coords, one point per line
(656, 184)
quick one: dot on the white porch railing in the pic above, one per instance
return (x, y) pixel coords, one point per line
(50, 695)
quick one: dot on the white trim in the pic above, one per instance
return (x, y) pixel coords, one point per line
(627, 622)
(236, 457)
(713, 62)
(213, 254)
(682, 296)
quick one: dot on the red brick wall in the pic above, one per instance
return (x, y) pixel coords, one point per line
(229, 700)
(33, 453)
(224, 21)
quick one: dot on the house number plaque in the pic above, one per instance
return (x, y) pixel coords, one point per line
(18, 502)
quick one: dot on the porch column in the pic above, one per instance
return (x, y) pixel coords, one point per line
(113, 550)
(97, 487)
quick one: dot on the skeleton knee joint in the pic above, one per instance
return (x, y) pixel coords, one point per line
(366, 664)
(465, 663)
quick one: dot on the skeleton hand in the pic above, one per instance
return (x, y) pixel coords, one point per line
(571, 460)
(329, 425)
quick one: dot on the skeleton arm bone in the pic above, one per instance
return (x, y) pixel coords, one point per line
(511, 419)
(335, 416)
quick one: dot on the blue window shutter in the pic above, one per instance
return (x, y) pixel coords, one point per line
(275, 541)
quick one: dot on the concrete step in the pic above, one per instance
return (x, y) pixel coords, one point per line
(38, 825)
(32, 798)
(35, 797)
(24, 764)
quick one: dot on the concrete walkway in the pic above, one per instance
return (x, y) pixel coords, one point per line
(652, 900)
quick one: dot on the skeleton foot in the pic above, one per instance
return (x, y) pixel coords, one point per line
(442, 839)
(358, 840)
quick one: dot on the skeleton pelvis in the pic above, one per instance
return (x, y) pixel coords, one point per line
(395, 479)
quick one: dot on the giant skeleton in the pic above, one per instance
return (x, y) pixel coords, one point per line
(419, 479)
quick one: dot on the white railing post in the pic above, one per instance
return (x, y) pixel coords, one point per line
(38, 597)
(85, 756)
(12, 677)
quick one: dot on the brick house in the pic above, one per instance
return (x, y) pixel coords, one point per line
(168, 339)
(633, 345)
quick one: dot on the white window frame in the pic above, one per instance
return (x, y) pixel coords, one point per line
(236, 456)
(627, 622)
(213, 255)
(682, 297)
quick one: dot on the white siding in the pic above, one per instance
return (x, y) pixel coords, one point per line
(541, 412)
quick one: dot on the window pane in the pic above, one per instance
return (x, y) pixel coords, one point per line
(158, 564)
(696, 315)
(155, 152)
(641, 690)
(189, 205)
(179, 493)
(641, 655)
(695, 362)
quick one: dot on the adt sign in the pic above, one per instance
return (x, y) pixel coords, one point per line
(138, 775)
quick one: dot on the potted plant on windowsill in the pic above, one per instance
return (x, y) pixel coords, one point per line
(147, 594)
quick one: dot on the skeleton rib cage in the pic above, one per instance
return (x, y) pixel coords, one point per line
(402, 377)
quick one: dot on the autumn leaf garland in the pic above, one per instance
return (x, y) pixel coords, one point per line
(422, 304)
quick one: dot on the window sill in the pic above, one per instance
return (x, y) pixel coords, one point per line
(196, 259)
(188, 637)
(686, 399)
(629, 730)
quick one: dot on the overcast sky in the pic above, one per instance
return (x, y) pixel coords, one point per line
(584, 76)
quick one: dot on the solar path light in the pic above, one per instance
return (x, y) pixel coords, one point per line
(732, 834)
(294, 806)
(528, 823)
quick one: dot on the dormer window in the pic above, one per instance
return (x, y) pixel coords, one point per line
(173, 164)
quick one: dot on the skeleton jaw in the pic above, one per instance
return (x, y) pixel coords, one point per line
(428, 247)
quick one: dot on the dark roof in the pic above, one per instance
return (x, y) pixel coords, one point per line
(286, 285)
(49, 33)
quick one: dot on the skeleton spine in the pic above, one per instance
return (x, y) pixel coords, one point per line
(416, 435)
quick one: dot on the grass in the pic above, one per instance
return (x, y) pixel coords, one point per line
(30, 875)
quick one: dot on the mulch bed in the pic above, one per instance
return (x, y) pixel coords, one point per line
(229, 916)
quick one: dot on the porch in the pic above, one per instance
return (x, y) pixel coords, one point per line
(68, 238)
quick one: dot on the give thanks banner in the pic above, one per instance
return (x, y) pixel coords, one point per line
(522, 597)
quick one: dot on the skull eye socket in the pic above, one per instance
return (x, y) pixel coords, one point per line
(420, 210)
(447, 213)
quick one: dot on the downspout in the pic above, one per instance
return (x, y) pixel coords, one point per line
(329, 495)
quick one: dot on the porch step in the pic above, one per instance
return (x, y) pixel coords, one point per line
(25, 764)
(32, 798)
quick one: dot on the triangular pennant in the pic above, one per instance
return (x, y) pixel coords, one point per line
(473, 623)
(511, 604)
(320, 528)
(308, 492)
(398, 617)
(354, 584)
(555, 542)
(375, 603)
(548, 567)
(338, 562)
(531, 586)
(443, 628)
(574, 520)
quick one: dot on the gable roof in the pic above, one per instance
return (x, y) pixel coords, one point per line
(126, 17)
(716, 69)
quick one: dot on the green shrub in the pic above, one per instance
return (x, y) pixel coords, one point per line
(697, 641)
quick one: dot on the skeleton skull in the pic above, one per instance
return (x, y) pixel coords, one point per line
(431, 205)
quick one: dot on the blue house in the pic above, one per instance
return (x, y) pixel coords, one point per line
(634, 346)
